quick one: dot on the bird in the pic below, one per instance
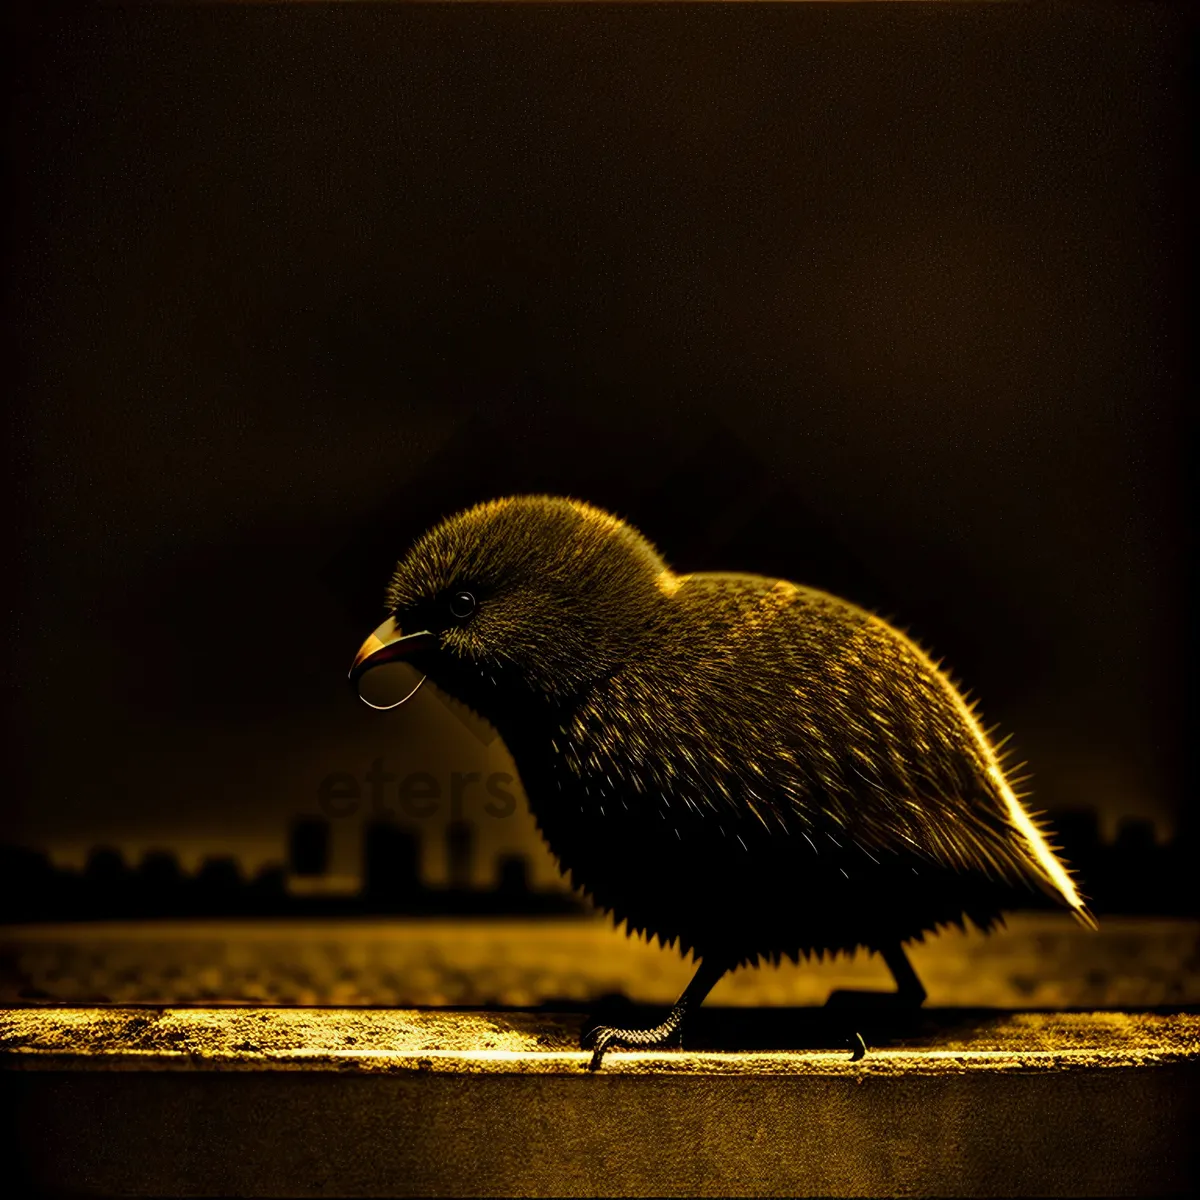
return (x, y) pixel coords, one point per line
(738, 766)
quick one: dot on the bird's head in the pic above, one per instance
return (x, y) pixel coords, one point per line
(523, 598)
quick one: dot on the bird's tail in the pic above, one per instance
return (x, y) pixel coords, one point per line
(1055, 873)
(1051, 872)
(1083, 915)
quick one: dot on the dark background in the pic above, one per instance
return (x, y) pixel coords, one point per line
(890, 300)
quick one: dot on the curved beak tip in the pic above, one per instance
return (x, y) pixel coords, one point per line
(388, 644)
(371, 646)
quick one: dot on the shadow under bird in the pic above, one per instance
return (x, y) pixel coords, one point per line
(739, 765)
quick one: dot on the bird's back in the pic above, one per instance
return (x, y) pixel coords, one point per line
(783, 772)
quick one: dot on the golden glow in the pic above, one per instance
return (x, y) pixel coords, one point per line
(782, 595)
(1046, 857)
(597, 516)
(1043, 855)
(476, 1042)
(387, 632)
(668, 582)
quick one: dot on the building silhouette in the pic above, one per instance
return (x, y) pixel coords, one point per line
(1134, 873)
(459, 854)
(391, 867)
(309, 841)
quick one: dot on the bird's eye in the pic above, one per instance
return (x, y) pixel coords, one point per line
(462, 605)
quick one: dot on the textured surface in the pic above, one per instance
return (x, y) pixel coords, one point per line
(539, 1043)
(248, 1093)
(403, 1103)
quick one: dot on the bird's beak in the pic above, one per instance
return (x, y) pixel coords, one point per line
(388, 645)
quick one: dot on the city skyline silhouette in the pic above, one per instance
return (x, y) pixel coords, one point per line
(1133, 873)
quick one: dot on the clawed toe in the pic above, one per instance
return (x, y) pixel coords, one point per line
(588, 1039)
(603, 1038)
(598, 1041)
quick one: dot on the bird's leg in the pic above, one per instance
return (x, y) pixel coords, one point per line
(909, 994)
(909, 991)
(604, 1037)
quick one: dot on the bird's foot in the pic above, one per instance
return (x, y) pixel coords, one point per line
(603, 1038)
(858, 1048)
(885, 1009)
(852, 1037)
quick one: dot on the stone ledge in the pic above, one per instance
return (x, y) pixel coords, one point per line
(310, 1102)
(370, 1041)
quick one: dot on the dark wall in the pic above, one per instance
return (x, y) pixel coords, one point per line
(887, 299)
